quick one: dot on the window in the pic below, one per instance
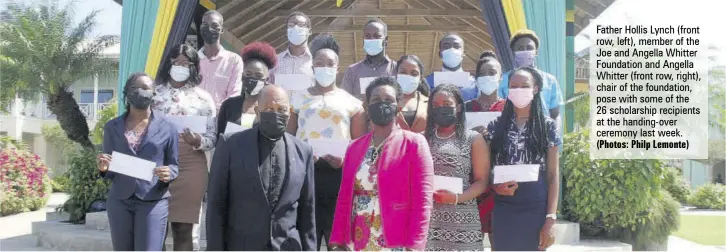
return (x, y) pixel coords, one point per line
(104, 95)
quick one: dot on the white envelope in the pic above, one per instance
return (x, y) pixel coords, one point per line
(519, 173)
(197, 124)
(459, 79)
(452, 184)
(233, 128)
(322, 147)
(132, 166)
(365, 82)
(474, 119)
(294, 82)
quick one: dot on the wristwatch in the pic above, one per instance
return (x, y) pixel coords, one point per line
(551, 216)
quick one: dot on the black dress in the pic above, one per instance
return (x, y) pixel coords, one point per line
(230, 111)
(518, 219)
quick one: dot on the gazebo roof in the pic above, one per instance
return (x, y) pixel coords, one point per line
(415, 26)
(588, 9)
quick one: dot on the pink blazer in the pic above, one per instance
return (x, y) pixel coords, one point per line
(405, 189)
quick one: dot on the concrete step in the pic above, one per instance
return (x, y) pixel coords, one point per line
(592, 245)
(565, 231)
(99, 221)
(67, 237)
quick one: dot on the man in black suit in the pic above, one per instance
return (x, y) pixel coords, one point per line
(261, 190)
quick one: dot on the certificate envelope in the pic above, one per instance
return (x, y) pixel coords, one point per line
(132, 166)
(322, 147)
(474, 119)
(197, 124)
(365, 82)
(452, 184)
(519, 173)
(294, 82)
(233, 128)
(459, 79)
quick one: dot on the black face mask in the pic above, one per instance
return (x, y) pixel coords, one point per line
(210, 36)
(249, 84)
(382, 113)
(444, 116)
(272, 124)
(139, 98)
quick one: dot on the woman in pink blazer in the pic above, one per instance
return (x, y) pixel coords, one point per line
(386, 194)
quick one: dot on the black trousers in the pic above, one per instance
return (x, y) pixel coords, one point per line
(327, 185)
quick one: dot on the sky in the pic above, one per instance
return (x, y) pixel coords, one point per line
(707, 14)
(108, 20)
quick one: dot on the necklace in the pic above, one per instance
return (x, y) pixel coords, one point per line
(444, 138)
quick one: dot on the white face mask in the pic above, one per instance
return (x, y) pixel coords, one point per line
(373, 47)
(297, 35)
(408, 83)
(179, 73)
(325, 76)
(521, 97)
(452, 57)
(487, 84)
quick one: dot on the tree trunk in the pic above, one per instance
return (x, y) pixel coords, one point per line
(70, 117)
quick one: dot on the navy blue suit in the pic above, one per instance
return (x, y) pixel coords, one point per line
(137, 209)
(239, 216)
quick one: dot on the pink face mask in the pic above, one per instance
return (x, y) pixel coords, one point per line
(521, 97)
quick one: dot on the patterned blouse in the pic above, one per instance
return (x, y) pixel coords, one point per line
(367, 224)
(325, 116)
(516, 152)
(188, 101)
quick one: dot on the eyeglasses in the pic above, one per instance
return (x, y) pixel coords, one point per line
(301, 24)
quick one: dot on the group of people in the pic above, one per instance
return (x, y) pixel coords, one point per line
(266, 189)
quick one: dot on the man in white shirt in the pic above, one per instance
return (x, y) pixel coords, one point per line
(297, 59)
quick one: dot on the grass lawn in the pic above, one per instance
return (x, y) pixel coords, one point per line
(703, 229)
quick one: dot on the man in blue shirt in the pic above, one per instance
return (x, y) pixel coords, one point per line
(451, 51)
(524, 44)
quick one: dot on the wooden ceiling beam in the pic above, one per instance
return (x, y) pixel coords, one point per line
(336, 12)
(400, 28)
(239, 18)
(254, 20)
(588, 8)
(227, 6)
(434, 50)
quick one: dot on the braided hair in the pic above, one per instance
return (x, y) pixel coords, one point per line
(130, 83)
(423, 86)
(460, 116)
(536, 125)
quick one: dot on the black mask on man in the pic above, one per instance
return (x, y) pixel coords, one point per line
(209, 35)
(272, 124)
(444, 116)
(139, 98)
(382, 113)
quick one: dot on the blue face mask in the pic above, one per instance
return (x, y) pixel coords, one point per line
(373, 47)
(452, 57)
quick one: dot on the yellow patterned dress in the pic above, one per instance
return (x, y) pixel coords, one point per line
(367, 225)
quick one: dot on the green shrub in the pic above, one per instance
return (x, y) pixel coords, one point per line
(653, 234)
(86, 185)
(60, 183)
(709, 196)
(26, 185)
(604, 195)
(105, 115)
(675, 184)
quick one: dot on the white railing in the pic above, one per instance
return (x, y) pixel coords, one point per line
(40, 110)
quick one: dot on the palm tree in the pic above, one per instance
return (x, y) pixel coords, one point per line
(42, 51)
